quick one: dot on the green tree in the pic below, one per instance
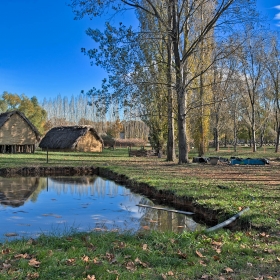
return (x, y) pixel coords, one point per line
(30, 107)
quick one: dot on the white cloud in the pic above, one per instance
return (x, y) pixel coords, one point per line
(277, 16)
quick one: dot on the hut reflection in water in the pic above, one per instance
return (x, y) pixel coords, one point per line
(86, 203)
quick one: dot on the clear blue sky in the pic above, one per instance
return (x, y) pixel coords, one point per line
(40, 48)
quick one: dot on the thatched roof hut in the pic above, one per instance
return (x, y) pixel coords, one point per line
(72, 138)
(17, 133)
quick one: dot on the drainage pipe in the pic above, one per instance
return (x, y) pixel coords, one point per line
(227, 222)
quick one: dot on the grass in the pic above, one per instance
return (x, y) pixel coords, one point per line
(250, 254)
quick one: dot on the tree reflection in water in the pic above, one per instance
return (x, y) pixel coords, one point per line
(31, 206)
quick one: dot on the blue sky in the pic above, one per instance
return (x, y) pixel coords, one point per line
(40, 49)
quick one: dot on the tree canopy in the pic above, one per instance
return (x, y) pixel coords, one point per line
(30, 107)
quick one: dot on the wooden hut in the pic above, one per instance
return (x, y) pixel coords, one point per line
(72, 138)
(17, 133)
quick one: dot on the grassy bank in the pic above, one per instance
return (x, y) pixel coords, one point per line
(250, 254)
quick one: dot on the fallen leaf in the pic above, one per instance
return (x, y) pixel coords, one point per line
(32, 275)
(90, 277)
(91, 247)
(278, 259)
(34, 263)
(97, 229)
(110, 257)
(218, 251)
(269, 251)
(85, 258)
(11, 234)
(216, 243)
(70, 261)
(263, 234)
(113, 271)
(6, 251)
(119, 245)
(228, 270)
(205, 276)
(249, 264)
(216, 258)
(6, 265)
(182, 255)
(146, 227)
(202, 263)
(199, 254)
(170, 273)
(96, 261)
(145, 247)
(22, 256)
(130, 266)
(137, 261)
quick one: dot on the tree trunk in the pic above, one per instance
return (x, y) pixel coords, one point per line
(217, 148)
(181, 95)
(277, 140)
(254, 131)
(171, 155)
(182, 128)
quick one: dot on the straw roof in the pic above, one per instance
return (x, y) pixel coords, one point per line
(4, 117)
(66, 137)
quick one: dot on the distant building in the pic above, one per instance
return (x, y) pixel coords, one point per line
(72, 138)
(17, 133)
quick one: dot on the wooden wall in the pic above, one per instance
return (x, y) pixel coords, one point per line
(89, 143)
(16, 132)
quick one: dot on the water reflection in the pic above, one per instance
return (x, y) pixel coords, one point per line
(55, 205)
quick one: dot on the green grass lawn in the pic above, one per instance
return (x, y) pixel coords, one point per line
(253, 253)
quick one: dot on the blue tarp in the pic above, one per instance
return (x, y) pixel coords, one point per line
(249, 161)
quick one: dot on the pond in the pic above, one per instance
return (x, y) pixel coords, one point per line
(30, 206)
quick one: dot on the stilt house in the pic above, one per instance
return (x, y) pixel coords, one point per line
(72, 138)
(17, 133)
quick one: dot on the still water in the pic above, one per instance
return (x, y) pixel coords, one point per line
(32, 206)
